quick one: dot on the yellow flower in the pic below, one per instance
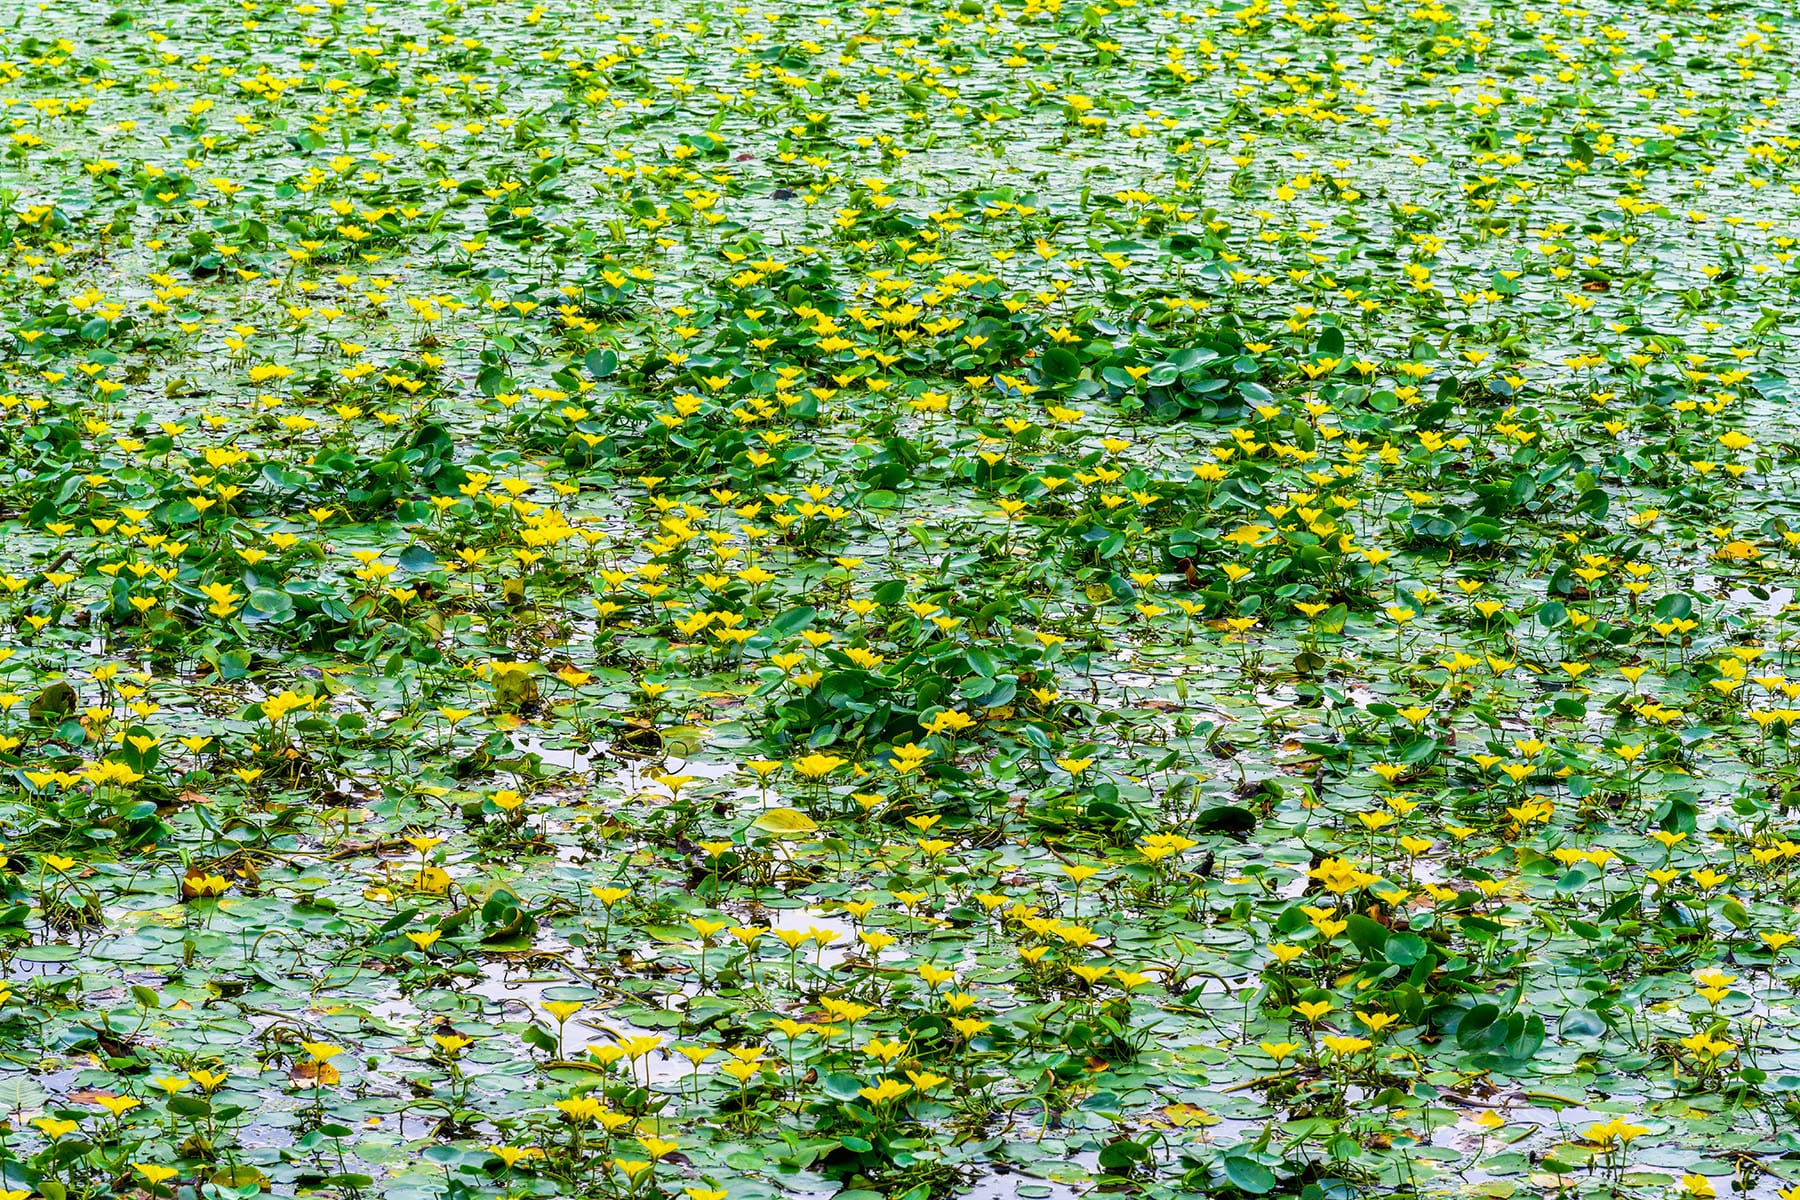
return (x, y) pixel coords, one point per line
(816, 766)
(883, 1092)
(1706, 1047)
(54, 1128)
(209, 1081)
(934, 975)
(884, 1051)
(1377, 1021)
(1343, 1046)
(579, 1109)
(1616, 1130)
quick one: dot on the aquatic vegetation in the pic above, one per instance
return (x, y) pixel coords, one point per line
(898, 600)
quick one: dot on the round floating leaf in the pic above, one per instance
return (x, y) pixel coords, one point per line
(784, 822)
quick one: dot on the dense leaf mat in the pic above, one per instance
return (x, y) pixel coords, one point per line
(1001, 599)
